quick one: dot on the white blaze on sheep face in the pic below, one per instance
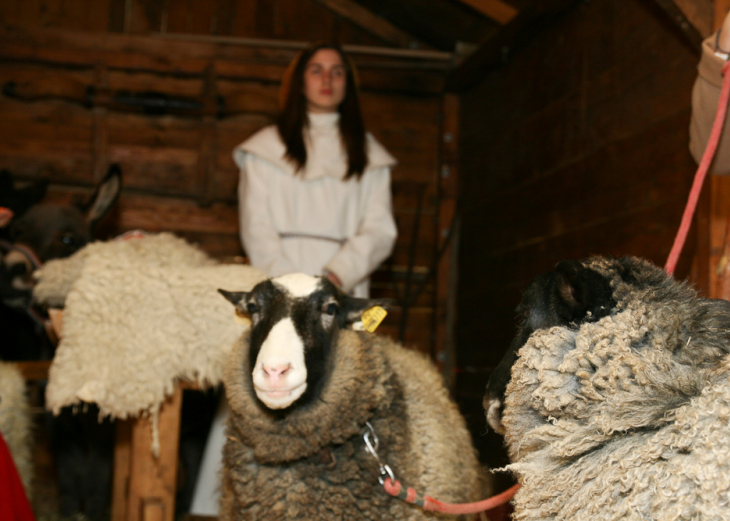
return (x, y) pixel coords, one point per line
(295, 321)
(280, 374)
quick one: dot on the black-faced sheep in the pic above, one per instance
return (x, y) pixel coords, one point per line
(38, 233)
(618, 405)
(302, 387)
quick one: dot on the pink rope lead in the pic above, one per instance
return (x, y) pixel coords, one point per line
(409, 495)
(393, 487)
(694, 194)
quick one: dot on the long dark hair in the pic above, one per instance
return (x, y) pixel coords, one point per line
(293, 118)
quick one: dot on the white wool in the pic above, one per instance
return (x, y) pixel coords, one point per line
(283, 351)
(57, 276)
(134, 325)
(297, 284)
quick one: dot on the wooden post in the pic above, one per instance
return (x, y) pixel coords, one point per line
(444, 348)
(718, 200)
(144, 485)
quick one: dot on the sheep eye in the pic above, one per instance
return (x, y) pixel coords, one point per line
(331, 309)
(252, 308)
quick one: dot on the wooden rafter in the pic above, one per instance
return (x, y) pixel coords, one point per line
(673, 10)
(372, 23)
(491, 53)
(499, 11)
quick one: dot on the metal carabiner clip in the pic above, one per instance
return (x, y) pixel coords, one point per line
(372, 447)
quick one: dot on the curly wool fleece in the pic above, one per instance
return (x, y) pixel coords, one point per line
(627, 417)
(139, 315)
(312, 464)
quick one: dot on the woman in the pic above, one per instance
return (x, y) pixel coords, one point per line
(314, 197)
(314, 190)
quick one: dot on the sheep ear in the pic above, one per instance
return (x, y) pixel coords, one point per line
(582, 292)
(234, 297)
(568, 285)
(105, 196)
(355, 307)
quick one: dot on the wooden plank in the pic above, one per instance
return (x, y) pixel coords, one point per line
(500, 12)
(176, 215)
(146, 17)
(225, 16)
(622, 178)
(34, 370)
(358, 15)
(117, 14)
(122, 469)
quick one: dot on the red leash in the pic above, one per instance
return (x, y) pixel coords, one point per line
(409, 495)
(393, 487)
(694, 194)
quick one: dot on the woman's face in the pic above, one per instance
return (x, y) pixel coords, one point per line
(324, 81)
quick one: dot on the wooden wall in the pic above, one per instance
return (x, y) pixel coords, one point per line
(298, 20)
(72, 71)
(576, 146)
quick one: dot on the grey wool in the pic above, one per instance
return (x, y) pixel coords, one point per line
(312, 464)
(626, 417)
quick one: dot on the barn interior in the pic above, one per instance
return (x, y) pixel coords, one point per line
(526, 132)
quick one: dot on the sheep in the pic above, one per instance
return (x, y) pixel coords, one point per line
(618, 405)
(302, 388)
(16, 422)
(139, 315)
(40, 232)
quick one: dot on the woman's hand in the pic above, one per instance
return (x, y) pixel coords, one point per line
(333, 278)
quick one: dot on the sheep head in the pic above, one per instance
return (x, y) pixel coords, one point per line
(295, 321)
(616, 338)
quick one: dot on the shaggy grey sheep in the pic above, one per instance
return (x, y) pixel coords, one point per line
(618, 406)
(301, 388)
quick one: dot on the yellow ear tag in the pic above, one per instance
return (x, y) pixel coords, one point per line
(239, 317)
(371, 318)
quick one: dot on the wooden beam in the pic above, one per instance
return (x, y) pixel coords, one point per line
(365, 19)
(673, 12)
(513, 36)
(699, 13)
(500, 12)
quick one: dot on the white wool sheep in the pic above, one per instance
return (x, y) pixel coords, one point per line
(55, 278)
(618, 406)
(301, 387)
(139, 315)
(16, 422)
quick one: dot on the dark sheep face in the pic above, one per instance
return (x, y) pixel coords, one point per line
(52, 231)
(295, 320)
(569, 295)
